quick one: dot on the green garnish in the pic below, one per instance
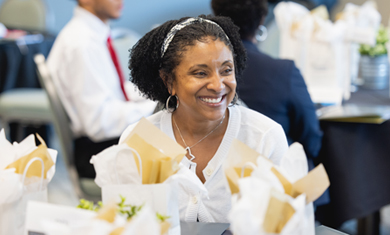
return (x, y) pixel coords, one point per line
(127, 210)
(161, 217)
(380, 47)
(89, 205)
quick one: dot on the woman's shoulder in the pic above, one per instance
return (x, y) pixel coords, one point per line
(155, 119)
(255, 120)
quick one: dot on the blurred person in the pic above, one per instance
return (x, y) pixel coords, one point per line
(191, 65)
(270, 86)
(90, 82)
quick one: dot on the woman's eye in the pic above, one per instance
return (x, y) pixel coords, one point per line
(227, 71)
(200, 74)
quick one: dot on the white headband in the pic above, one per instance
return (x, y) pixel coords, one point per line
(181, 25)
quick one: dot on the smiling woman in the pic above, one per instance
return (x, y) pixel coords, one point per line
(192, 65)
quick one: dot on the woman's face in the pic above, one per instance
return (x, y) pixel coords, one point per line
(205, 80)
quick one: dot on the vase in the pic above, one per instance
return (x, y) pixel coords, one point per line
(374, 72)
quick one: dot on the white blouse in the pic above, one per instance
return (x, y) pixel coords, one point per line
(250, 127)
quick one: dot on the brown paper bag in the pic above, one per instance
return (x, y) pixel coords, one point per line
(36, 167)
(238, 162)
(278, 213)
(160, 155)
(313, 184)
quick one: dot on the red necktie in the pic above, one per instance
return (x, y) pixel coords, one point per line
(117, 66)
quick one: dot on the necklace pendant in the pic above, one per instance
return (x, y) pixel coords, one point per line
(189, 153)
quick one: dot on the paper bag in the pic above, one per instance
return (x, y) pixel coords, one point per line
(13, 161)
(260, 209)
(239, 163)
(162, 198)
(12, 215)
(278, 199)
(157, 158)
(160, 154)
(326, 52)
(313, 184)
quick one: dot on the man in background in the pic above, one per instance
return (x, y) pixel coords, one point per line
(91, 84)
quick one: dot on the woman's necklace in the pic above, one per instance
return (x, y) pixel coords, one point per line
(188, 149)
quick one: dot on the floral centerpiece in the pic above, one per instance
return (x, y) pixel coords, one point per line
(374, 63)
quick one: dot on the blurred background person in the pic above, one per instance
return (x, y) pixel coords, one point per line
(271, 86)
(91, 83)
(329, 4)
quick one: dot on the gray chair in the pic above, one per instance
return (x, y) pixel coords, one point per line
(27, 106)
(32, 15)
(85, 188)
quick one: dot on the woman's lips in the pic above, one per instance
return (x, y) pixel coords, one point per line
(212, 100)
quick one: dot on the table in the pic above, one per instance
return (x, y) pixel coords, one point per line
(198, 228)
(356, 157)
(17, 67)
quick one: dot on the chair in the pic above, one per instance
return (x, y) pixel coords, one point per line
(85, 188)
(27, 106)
(32, 15)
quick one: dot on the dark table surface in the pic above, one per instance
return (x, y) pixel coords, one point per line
(356, 157)
(197, 228)
(17, 67)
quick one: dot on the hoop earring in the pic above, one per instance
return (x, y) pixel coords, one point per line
(167, 104)
(261, 33)
(234, 101)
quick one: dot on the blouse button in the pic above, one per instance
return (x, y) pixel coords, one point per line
(209, 171)
(194, 200)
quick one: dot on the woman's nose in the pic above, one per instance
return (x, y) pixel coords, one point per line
(216, 83)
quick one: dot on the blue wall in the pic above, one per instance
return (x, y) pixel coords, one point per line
(138, 15)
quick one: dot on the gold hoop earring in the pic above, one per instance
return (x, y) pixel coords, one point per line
(167, 104)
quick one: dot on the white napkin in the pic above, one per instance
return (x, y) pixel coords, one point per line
(188, 182)
(294, 162)
(144, 223)
(116, 165)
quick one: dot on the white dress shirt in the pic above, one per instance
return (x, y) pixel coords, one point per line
(250, 127)
(88, 83)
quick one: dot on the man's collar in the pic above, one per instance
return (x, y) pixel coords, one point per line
(101, 28)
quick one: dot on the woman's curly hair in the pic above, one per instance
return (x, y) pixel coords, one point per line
(246, 14)
(145, 57)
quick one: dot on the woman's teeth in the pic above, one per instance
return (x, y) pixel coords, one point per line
(212, 100)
